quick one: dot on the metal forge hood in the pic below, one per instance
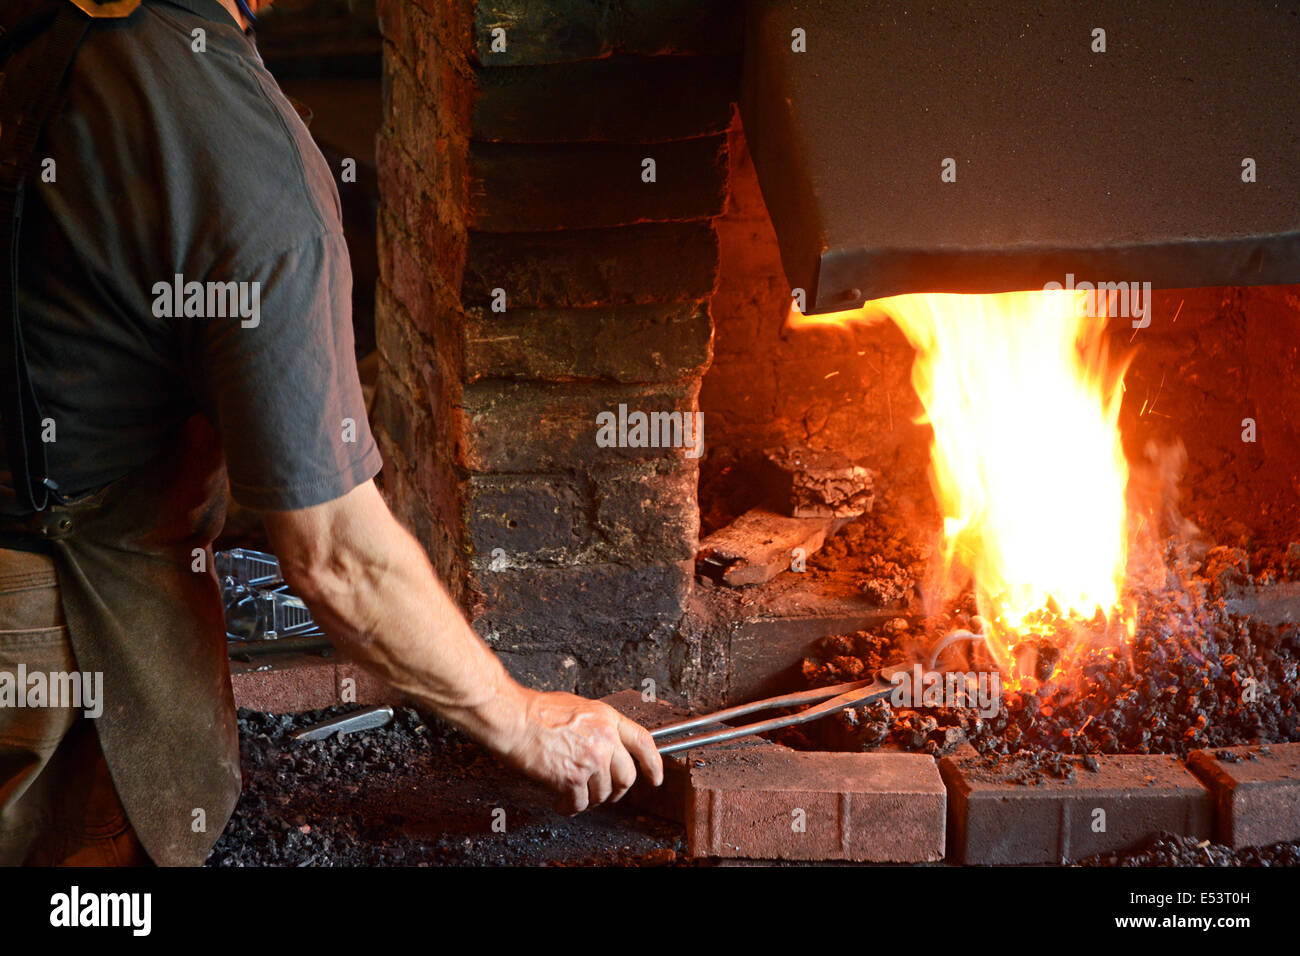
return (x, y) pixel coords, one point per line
(969, 146)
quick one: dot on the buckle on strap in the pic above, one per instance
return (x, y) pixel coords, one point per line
(50, 525)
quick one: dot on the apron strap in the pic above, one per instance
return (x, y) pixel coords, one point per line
(26, 103)
(21, 122)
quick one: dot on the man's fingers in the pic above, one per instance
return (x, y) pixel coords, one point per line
(642, 746)
(622, 773)
(599, 787)
(572, 801)
(589, 753)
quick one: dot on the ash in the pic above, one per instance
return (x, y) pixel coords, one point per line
(1167, 849)
(1199, 677)
(883, 547)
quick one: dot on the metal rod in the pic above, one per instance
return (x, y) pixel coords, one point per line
(953, 638)
(367, 719)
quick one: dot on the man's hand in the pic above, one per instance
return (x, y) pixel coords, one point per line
(370, 586)
(582, 749)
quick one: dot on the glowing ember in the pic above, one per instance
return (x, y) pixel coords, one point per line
(1026, 460)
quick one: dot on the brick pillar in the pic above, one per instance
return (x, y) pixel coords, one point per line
(513, 178)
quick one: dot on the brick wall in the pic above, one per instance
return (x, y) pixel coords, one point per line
(515, 176)
(848, 390)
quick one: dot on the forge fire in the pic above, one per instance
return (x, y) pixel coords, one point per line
(1032, 493)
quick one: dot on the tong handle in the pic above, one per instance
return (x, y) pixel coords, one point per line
(797, 699)
(859, 692)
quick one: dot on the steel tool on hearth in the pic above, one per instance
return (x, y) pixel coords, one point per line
(825, 701)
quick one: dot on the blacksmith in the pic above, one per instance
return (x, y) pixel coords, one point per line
(171, 157)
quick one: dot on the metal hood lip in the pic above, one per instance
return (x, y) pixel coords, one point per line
(1115, 166)
(846, 278)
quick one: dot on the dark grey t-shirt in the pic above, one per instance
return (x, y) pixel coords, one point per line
(174, 167)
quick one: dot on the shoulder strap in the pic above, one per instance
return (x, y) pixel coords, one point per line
(26, 103)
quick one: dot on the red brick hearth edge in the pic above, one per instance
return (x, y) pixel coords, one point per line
(752, 799)
(757, 800)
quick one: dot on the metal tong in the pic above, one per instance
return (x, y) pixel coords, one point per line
(828, 700)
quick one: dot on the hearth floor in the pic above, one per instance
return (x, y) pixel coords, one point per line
(412, 794)
(423, 794)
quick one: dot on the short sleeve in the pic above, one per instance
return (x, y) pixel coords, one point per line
(278, 378)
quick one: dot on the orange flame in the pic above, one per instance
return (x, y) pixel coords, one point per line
(1027, 464)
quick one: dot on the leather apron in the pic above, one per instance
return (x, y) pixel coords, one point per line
(143, 607)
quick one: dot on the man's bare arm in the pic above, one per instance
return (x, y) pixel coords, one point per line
(371, 587)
